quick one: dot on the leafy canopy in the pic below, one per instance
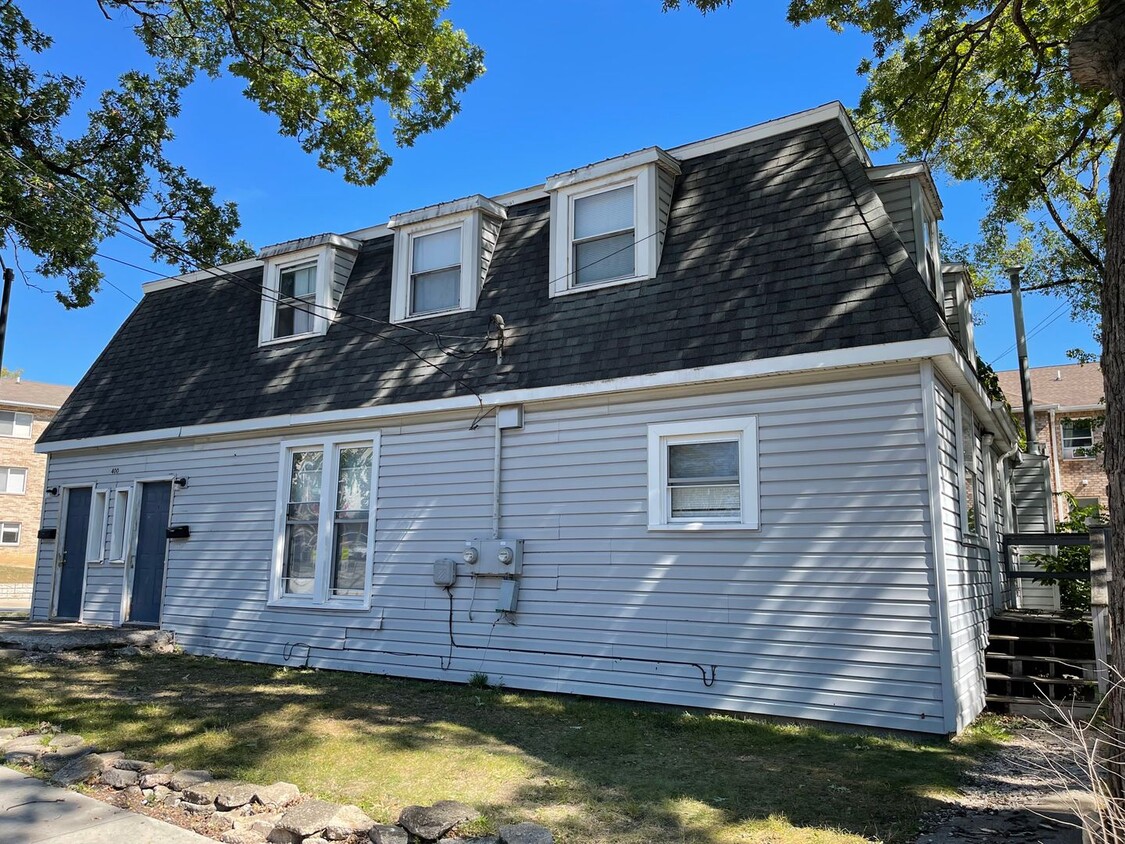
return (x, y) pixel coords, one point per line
(982, 91)
(323, 68)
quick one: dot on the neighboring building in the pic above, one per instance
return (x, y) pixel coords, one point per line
(1069, 404)
(724, 445)
(25, 409)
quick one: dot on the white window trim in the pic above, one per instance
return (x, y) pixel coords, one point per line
(122, 517)
(16, 414)
(320, 598)
(645, 240)
(9, 470)
(980, 537)
(745, 430)
(95, 531)
(324, 311)
(19, 534)
(1069, 451)
(469, 222)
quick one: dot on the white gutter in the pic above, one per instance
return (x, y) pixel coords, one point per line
(941, 348)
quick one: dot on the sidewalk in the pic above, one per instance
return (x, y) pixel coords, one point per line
(32, 811)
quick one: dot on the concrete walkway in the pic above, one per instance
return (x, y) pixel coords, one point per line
(65, 636)
(32, 811)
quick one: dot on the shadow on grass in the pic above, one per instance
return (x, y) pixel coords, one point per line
(593, 770)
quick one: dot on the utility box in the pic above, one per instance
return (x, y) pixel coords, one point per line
(494, 557)
(508, 597)
(445, 572)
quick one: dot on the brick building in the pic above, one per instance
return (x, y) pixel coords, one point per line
(25, 409)
(1069, 403)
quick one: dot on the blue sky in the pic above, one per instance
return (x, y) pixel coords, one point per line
(568, 83)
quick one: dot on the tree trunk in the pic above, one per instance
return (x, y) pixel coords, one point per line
(1097, 61)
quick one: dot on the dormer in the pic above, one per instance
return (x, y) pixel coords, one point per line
(302, 283)
(911, 200)
(441, 256)
(608, 220)
(958, 306)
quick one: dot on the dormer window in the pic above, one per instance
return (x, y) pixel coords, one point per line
(608, 221)
(441, 257)
(302, 283)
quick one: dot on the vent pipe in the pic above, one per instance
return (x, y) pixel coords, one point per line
(1025, 370)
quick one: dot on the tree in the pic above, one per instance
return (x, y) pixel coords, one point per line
(323, 68)
(1027, 97)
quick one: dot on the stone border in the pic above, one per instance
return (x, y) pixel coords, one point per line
(248, 813)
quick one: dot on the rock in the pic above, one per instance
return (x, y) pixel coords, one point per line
(79, 770)
(118, 779)
(234, 795)
(112, 757)
(66, 740)
(283, 836)
(155, 778)
(316, 839)
(11, 653)
(133, 793)
(224, 820)
(526, 833)
(159, 792)
(383, 833)
(348, 820)
(183, 779)
(20, 757)
(241, 836)
(262, 824)
(135, 765)
(172, 801)
(308, 818)
(197, 808)
(205, 793)
(32, 744)
(9, 733)
(276, 796)
(483, 839)
(432, 822)
(54, 761)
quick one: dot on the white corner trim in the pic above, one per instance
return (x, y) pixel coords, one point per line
(937, 532)
(874, 355)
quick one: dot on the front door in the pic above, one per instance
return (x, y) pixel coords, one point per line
(72, 561)
(152, 547)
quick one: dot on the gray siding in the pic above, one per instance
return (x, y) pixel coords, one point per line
(895, 195)
(968, 570)
(665, 187)
(489, 234)
(828, 612)
(341, 272)
(1031, 496)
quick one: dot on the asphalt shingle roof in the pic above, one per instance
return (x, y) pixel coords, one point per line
(25, 393)
(1068, 385)
(777, 247)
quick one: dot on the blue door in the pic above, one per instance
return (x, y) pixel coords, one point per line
(152, 547)
(72, 561)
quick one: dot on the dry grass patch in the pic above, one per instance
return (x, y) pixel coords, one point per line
(594, 771)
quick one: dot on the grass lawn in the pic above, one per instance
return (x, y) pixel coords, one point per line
(10, 573)
(593, 771)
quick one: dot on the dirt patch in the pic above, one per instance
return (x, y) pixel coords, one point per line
(1026, 791)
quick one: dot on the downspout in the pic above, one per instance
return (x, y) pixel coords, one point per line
(1025, 369)
(496, 453)
(1056, 467)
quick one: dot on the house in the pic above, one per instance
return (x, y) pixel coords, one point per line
(696, 425)
(1069, 405)
(26, 407)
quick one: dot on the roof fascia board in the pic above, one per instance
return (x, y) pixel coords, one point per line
(695, 149)
(613, 166)
(919, 170)
(790, 364)
(476, 202)
(1058, 408)
(33, 405)
(302, 244)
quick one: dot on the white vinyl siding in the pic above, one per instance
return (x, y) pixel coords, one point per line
(13, 480)
(828, 612)
(15, 424)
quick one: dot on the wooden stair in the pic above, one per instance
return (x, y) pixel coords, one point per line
(1035, 659)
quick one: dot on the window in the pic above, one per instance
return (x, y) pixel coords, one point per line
(95, 532)
(972, 517)
(14, 424)
(9, 533)
(326, 524)
(608, 220)
(604, 236)
(1077, 439)
(442, 255)
(435, 272)
(703, 475)
(930, 257)
(296, 301)
(13, 481)
(118, 526)
(302, 281)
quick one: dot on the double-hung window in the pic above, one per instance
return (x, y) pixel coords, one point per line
(972, 513)
(1077, 439)
(604, 236)
(703, 475)
(302, 282)
(13, 424)
(296, 303)
(13, 480)
(326, 523)
(435, 272)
